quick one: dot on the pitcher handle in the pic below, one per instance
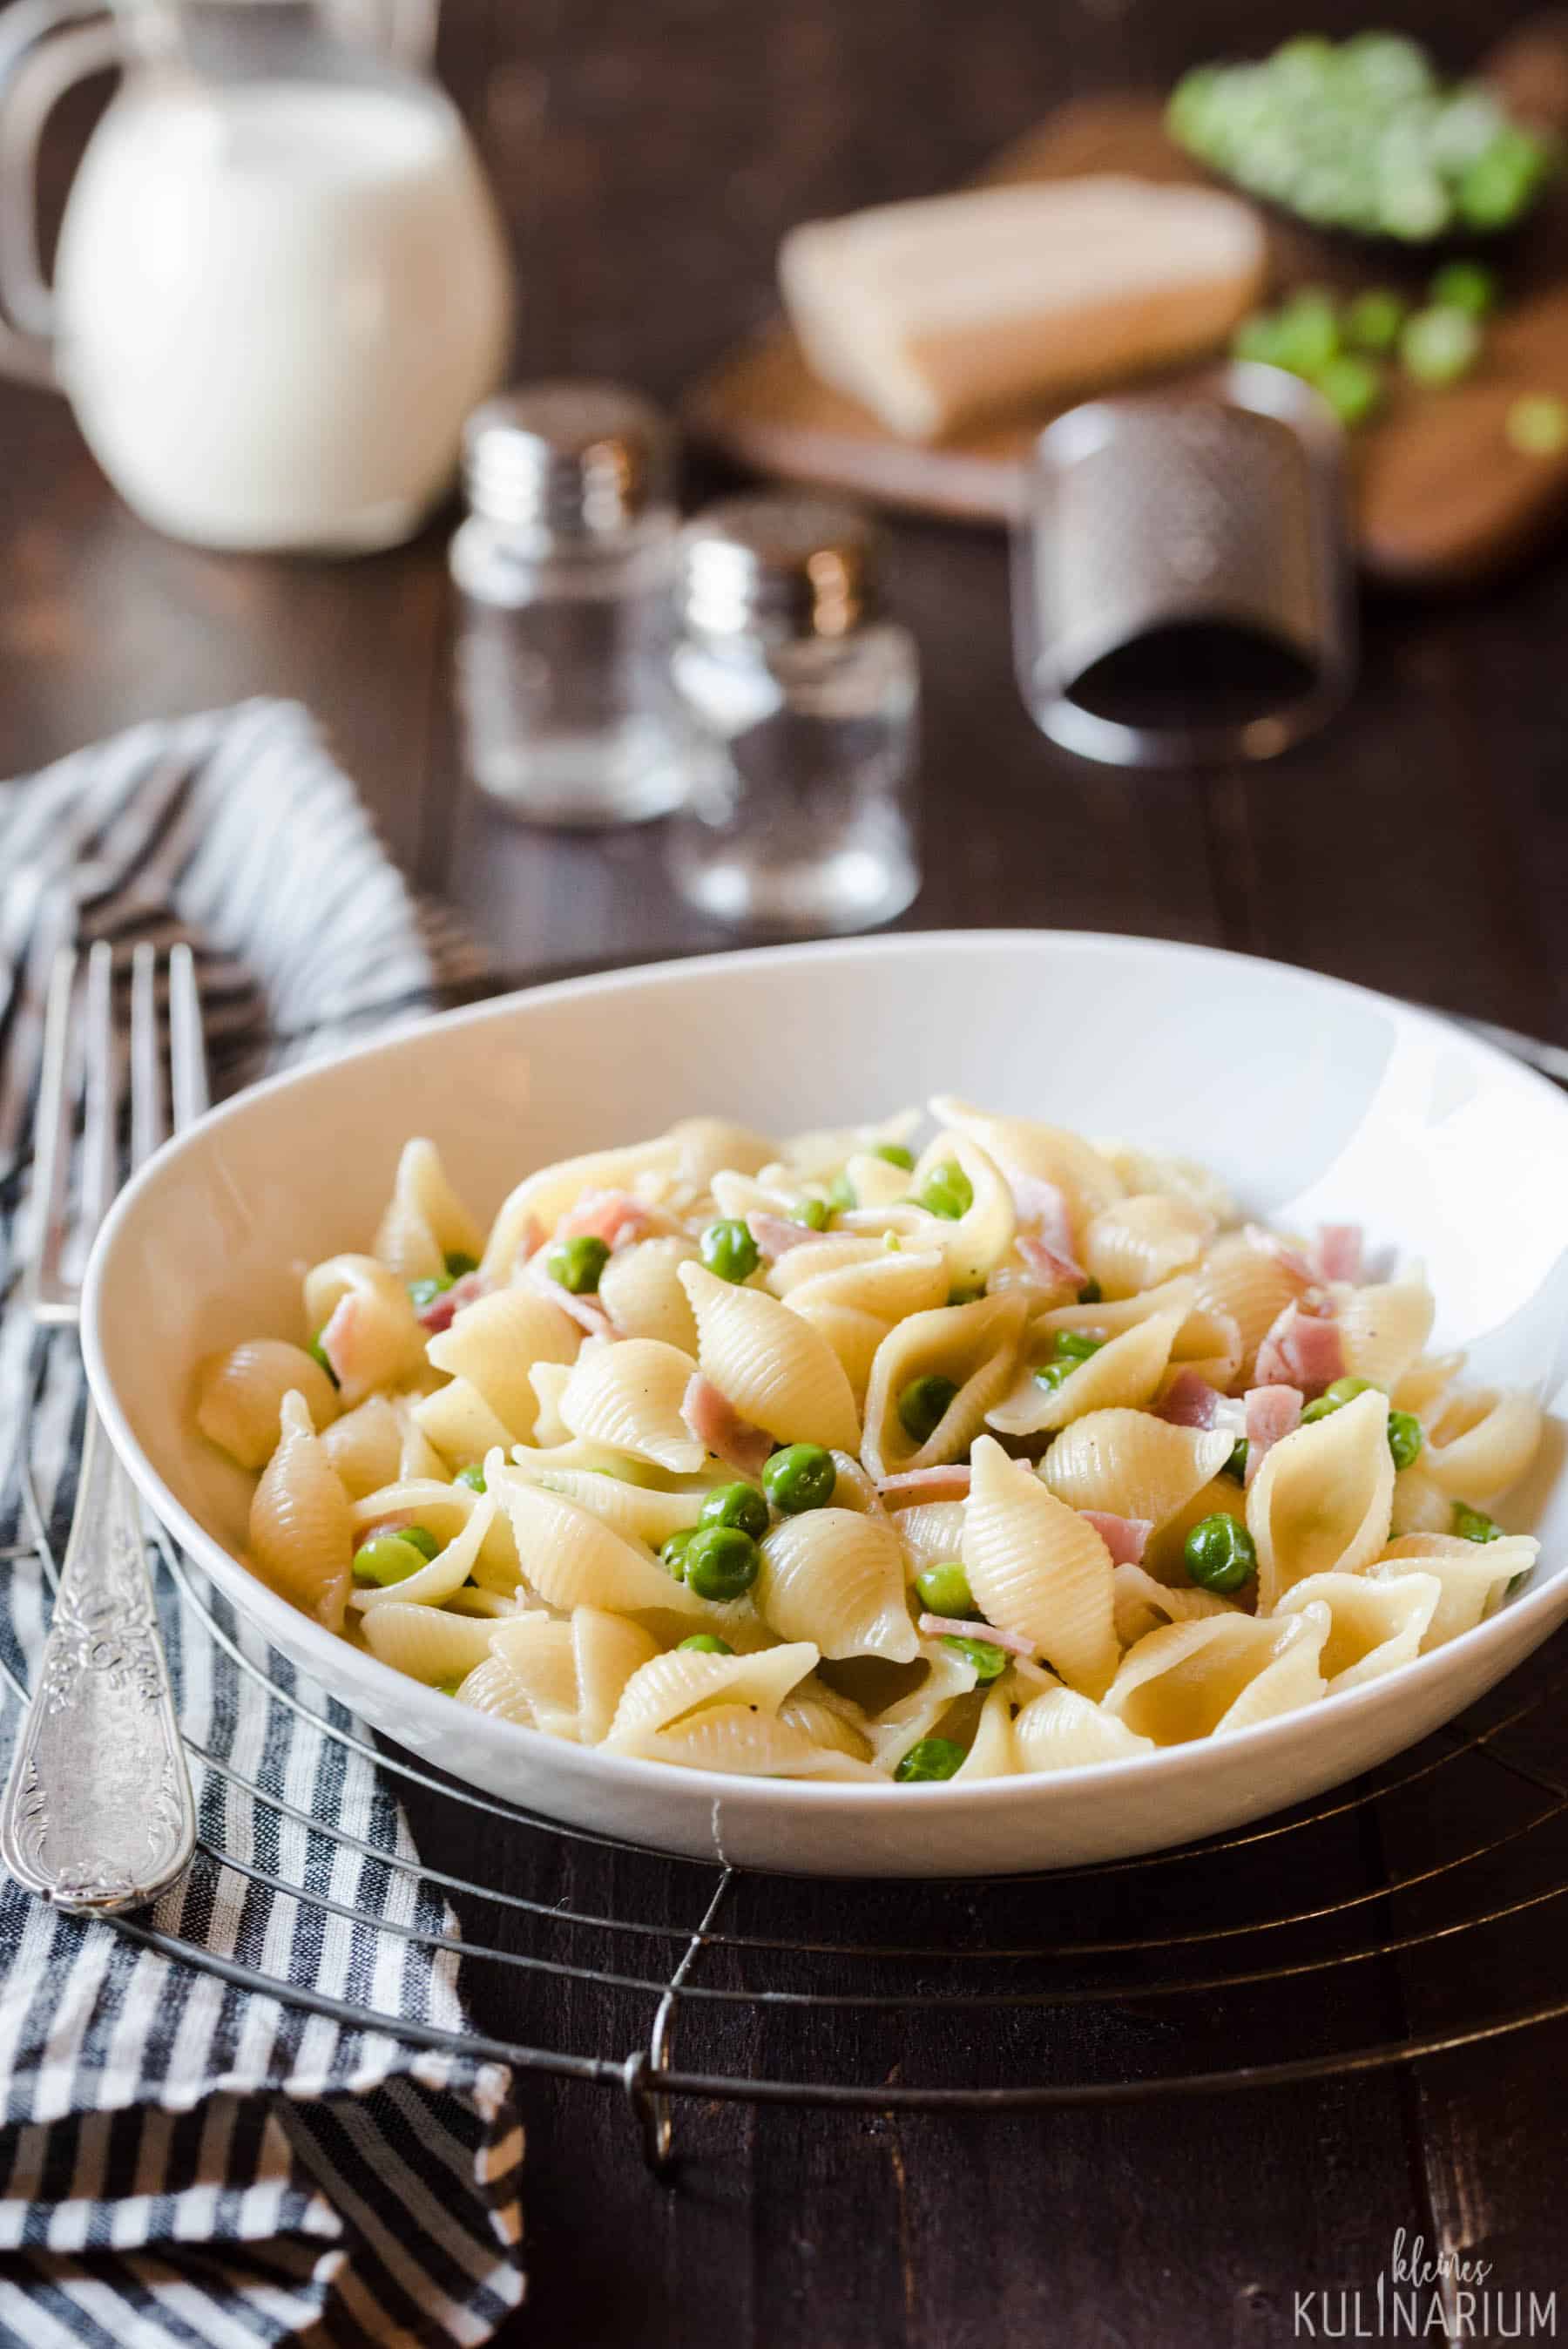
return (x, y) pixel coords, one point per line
(35, 71)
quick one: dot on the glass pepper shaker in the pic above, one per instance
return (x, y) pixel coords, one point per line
(804, 701)
(565, 571)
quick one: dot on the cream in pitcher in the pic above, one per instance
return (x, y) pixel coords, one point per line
(278, 293)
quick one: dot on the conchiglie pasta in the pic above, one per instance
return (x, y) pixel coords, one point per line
(929, 1533)
(1471, 1576)
(574, 1559)
(425, 1222)
(301, 1521)
(444, 1574)
(1135, 1244)
(979, 1240)
(1024, 1146)
(365, 1325)
(1125, 1372)
(629, 1396)
(1375, 1623)
(426, 1642)
(835, 1577)
(1142, 1171)
(855, 1306)
(1323, 1500)
(366, 1446)
(1481, 1441)
(1383, 1329)
(1036, 1566)
(741, 1741)
(772, 1366)
(948, 1676)
(240, 1396)
(1421, 1388)
(534, 1208)
(1061, 1730)
(639, 1511)
(640, 1290)
(494, 1343)
(1250, 1286)
(973, 1347)
(460, 1424)
(445, 1510)
(991, 1754)
(707, 1145)
(1218, 1674)
(670, 1686)
(1143, 1605)
(829, 1721)
(1132, 1466)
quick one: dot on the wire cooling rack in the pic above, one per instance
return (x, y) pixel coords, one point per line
(1152, 1977)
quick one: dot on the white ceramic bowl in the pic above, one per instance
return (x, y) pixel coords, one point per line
(1313, 1099)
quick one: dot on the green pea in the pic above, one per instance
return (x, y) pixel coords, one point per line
(1373, 320)
(1352, 386)
(728, 1249)
(932, 1758)
(425, 1292)
(736, 1504)
(721, 1562)
(1256, 337)
(1051, 1375)
(923, 1404)
(473, 1476)
(945, 1589)
(421, 1538)
(1405, 1437)
(1334, 1398)
(704, 1643)
(948, 1192)
(1439, 346)
(460, 1261)
(1219, 1553)
(1236, 1465)
(840, 1192)
(1537, 425)
(896, 1155)
(813, 1213)
(802, 1476)
(672, 1556)
(989, 1662)
(1474, 1525)
(578, 1263)
(1502, 181)
(1091, 1293)
(1075, 1345)
(1464, 285)
(387, 1559)
(1307, 332)
(318, 1353)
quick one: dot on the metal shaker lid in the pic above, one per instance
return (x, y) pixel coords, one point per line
(783, 569)
(573, 460)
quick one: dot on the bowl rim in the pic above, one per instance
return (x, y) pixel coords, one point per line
(266, 1607)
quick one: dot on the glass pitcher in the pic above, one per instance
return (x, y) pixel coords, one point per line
(281, 282)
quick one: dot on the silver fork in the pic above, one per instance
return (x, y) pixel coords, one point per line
(98, 1814)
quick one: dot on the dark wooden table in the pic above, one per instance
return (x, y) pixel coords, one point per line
(648, 154)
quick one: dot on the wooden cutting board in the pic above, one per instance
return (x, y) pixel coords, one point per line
(1439, 495)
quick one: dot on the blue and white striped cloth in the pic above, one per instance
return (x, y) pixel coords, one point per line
(181, 2162)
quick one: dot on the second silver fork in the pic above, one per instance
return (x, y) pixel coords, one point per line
(98, 1814)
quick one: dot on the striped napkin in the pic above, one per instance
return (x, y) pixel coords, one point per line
(182, 2162)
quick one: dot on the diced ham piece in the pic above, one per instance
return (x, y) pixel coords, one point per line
(613, 1216)
(1047, 1265)
(1272, 1413)
(1125, 1538)
(1041, 1209)
(1290, 1258)
(587, 1311)
(925, 1484)
(1302, 1349)
(438, 1314)
(716, 1425)
(1190, 1402)
(776, 1234)
(956, 1627)
(1338, 1252)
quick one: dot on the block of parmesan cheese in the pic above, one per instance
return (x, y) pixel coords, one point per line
(951, 307)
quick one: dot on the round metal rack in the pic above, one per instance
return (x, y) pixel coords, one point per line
(1044, 1982)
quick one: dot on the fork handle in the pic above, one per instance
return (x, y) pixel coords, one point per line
(98, 1814)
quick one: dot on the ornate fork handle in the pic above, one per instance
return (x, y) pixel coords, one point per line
(98, 1814)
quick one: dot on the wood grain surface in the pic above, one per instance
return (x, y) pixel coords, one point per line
(648, 154)
(1440, 493)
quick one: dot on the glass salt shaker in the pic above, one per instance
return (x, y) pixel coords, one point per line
(804, 701)
(566, 570)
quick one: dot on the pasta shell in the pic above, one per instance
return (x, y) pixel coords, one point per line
(886, 1286)
(823, 1151)
(1250, 1286)
(636, 1512)
(1125, 1372)
(832, 1253)
(424, 1221)
(974, 1345)
(1141, 1604)
(446, 1509)
(460, 1424)
(1134, 1466)
(1481, 1441)
(240, 1396)
(539, 1202)
(366, 1446)
(709, 1144)
(738, 1740)
(1035, 1565)
(1420, 1506)
(949, 1675)
(664, 1691)
(1384, 1328)
(1136, 1244)
(1323, 1499)
(1374, 1624)
(1421, 1388)
(574, 1559)
(992, 1754)
(301, 1534)
(1174, 1178)
(1473, 1576)
(1221, 1672)
(494, 1688)
(366, 1325)
(608, 1650)
(1162, 1555)
(628, 1395)
(447, 1572)
(640, 1290)
(828, 1720)
(1061, 1730)
(1111, 1318)
(930, 1533)
(494, 1343)
(981, 1237)
(1024, 1146)
(775, 1370)
(836, 1578)
(426, 1643)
